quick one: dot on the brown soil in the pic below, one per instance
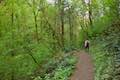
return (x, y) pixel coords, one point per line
(84, 68)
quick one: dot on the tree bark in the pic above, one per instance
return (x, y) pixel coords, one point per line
(61, 8)
(36, 26)
(90, 13)
(71, 27)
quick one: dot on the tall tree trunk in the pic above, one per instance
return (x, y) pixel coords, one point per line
(90, 12)
(12, 42)
(35, 21)
(71, 27)
(61, 9)
(12, 33)
(117, 8)
(62, 27)
(36, 26)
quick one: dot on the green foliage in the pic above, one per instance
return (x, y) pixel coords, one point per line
(103, 62)
(35, 33)
(105, 52)
(62, 71)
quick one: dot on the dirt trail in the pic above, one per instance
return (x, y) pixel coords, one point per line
(84, 67)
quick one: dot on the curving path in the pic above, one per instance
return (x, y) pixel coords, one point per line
(84, 68)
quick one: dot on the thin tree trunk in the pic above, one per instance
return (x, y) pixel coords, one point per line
(33, 59)
(30, 53)
(35, 20)
(12, 33)
(90, 13)
(36, 26)
(117, 4)
(61, 8)
(71, 28)
(62, 28)
(12, 44)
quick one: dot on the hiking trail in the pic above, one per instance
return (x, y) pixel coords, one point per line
(84, 68)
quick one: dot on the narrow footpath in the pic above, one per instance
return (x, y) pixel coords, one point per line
(84, 67)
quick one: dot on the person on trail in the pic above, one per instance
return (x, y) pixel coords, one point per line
(87, 44)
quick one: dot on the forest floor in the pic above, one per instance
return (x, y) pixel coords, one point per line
(84, 68)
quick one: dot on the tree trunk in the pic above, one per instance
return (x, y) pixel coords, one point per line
(36, 26)
(71, 28)
(90, 13)
(61, 8)
(35, 20)
(12, 42)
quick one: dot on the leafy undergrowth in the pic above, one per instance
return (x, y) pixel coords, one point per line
(49, 67)
(22, 65)
(103, 62)
(105, 51)
(58, 69)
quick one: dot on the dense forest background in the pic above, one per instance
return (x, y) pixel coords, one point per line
(36, 37)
